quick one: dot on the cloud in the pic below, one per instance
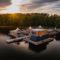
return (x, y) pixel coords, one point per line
(43, 1)
(4, 3)
(36, 6)
(56, 6)
(51, 8)
(37, 3)
(48, 6)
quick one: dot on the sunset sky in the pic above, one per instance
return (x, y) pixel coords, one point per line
(30, 6)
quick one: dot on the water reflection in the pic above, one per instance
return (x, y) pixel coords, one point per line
(13, 50)
(37, 48)
(57, 36)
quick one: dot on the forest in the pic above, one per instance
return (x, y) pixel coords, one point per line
(29, 19)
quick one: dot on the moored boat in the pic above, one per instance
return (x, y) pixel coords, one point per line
(39, 38)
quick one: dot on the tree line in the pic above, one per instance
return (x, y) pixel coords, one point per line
(30, 19)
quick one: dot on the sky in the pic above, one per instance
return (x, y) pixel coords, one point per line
(30, 6)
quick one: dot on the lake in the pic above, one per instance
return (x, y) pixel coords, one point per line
(22, 51)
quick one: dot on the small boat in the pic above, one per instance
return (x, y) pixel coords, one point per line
(39, 38)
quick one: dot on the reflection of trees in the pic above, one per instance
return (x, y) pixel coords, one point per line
(33, 19)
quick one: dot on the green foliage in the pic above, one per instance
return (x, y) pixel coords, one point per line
(32, 19)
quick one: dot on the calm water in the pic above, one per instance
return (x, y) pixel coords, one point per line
(22, 51)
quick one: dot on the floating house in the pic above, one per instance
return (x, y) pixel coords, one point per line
(37, 38)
